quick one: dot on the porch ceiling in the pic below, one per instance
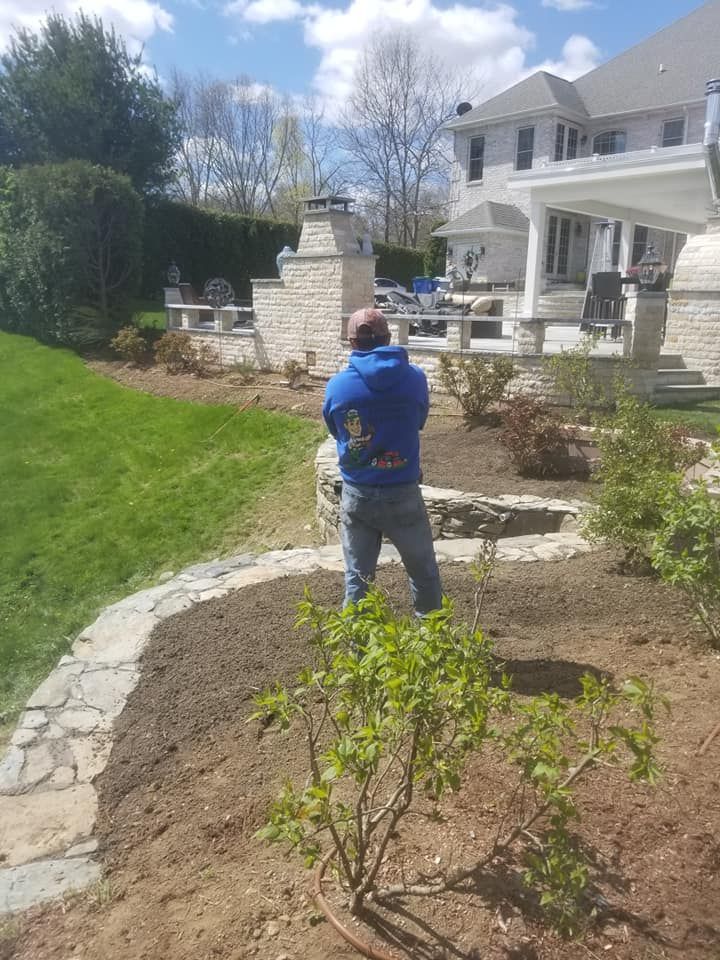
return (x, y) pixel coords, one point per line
(668, 189)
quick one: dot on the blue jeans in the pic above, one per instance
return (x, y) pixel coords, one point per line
(398, 512)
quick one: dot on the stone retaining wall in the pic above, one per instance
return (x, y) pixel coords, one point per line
(453, 514)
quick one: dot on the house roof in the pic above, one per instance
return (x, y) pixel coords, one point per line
(670, 67)
(537, 92)
(487, 216)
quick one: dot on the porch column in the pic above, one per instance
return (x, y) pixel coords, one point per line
(627, 235)
(534, 262)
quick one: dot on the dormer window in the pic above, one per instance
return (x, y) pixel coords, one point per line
(525, 147)
(673, 132)
(477, 158)
(611, 141)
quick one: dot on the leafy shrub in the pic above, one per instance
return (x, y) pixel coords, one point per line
(244, 370)
(398, 263)
(130, 344)
(686, 551)
(392, 710)
(572, 374)
(435, 254)
(536, 439)
(475, 383)
(70, 251)
(639, 456)
(179, 353)
(293, 373)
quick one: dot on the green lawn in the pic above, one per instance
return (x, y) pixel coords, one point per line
(102, 488)
(704, 416)
(149, 313)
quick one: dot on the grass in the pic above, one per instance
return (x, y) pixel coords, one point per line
(103, 488)
(704, 416)
(149, 313)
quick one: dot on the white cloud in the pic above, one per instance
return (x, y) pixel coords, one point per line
(135, 20)
(568, 6)
(488, 45)
(579, 55)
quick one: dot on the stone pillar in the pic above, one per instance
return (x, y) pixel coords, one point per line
(647, 328)
(530, 336)
(693, 327)
(534, 263)
(399, 328)
(458, 333)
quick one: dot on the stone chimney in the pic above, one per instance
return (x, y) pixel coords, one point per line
(327, 228)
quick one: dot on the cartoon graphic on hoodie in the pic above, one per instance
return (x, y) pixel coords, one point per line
(374, 409)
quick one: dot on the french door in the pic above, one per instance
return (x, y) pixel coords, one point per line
(557, 250)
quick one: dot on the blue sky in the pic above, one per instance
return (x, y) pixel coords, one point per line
(298, 46)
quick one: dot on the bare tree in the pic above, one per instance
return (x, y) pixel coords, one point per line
(392, 129)
(196, 158)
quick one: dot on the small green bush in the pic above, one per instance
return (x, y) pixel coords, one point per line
(686, 551)
(571, 372)
(535, 437)
(179, 353)
(475, 383)
(244, 370)
(131, 345)
(392, 709)
(639, 456)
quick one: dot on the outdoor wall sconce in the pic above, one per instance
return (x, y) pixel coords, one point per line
(649, 268)
(173, 274)
(578, 230)
(583, 139)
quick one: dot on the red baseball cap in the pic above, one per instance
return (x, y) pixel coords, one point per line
(367, 323)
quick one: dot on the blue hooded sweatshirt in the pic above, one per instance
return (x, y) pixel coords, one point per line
(375, 410)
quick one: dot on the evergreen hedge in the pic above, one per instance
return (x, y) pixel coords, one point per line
(70, 251)
(207, 243)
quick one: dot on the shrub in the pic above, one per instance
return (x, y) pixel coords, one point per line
(70, 251)
(435, 254)
(686, 551)
(475, 383)
(398, 263)
(130, 344)
(572, 374)
(639, 456)
(393, 709)
(293, 373)
(179, 353)
(244, 370)
(536, 439)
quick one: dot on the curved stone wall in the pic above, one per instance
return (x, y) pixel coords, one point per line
(454, 514)
(693, 327)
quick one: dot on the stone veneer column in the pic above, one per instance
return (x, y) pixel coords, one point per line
(647, 328)
(693, 327)
(299, 317)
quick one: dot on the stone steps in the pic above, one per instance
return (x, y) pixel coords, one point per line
(678, 377)
(682, 393)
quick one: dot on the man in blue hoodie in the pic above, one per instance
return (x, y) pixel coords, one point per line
(375, 409)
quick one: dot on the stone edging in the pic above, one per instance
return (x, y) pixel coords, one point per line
(453, 514)
(48, 804)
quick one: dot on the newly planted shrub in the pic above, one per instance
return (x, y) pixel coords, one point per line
(686, 551)
(390, 713)
(293, 373)
(179, 353)
(535, 437)
(639, 456)
(475, 383)
(130, 344)
(573, 375)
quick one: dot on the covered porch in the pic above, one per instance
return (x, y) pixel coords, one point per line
(661, 188)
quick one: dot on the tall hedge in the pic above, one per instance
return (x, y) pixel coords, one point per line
(70, 251)
(207, 243)
(398, 263)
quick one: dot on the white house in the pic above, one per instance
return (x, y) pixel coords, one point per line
(539, 166)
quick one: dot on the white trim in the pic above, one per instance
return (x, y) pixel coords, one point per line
(476, 231)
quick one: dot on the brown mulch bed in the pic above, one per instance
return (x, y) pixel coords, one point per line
(453, 456)
(189, 782)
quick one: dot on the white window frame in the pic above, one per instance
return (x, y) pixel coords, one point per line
(607, 133)
(530, 126)
(568, 126)
(682, 136)
(478, 136)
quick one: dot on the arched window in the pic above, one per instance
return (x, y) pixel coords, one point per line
(610, 141)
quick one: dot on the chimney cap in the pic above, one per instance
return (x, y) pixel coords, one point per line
(329, 203)
(712, 86)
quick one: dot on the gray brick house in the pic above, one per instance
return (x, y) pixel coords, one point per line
(537, 167)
